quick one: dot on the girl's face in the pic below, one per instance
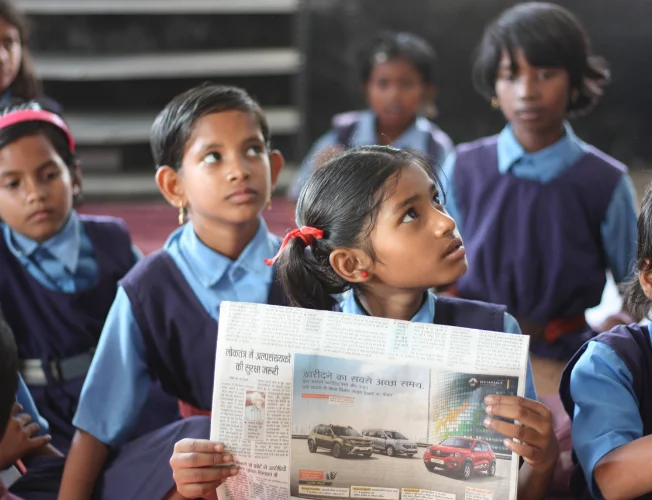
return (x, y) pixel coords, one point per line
(36, 188)
(415, 241)
(532, 98)
(11, 53)
(396, 93)
(227, 174)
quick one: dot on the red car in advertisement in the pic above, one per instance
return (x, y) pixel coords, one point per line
(462, 456)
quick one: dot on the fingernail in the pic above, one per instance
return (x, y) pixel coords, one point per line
(48, 437)
(226, 458)
(219, 447)
(489, 409)
(487, 422)
(489, 399)
(507, 443)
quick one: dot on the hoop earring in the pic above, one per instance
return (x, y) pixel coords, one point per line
(495, 103)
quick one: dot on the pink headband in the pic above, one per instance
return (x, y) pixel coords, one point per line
(37, 115)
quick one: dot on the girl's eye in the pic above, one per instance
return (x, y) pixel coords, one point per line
(254, 151)
(544, 75)
(212, 158)
(11, 184)
(51, 174)
(436, 200)
(410, 216)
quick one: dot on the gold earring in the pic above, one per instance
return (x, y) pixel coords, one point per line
(182, 215)
(495, 103)
(575, 95)
(269, 205)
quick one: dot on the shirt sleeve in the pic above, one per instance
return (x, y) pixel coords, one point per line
(118, 381)
(619, 230)
(308, 164)
(606, 414)
(24, 398)
(448, 169)
(511, 326)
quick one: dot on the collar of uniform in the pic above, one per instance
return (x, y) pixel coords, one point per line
(564, 152)
(210, 266)
(425, 314)
(414, 137)
(63, 246)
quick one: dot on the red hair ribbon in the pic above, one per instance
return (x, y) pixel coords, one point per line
(306, 233)
(37, 115)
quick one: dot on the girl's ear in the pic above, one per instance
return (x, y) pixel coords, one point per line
(76, 182)
(170, 183)
(276, 162)
(351, 264)
(645, 279)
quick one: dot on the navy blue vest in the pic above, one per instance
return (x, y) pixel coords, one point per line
(537, 248)
(633, 346)
(180, 336)
(49, 324)
(469, 314)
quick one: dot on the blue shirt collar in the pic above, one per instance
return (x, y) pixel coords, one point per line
(63, 246)
(415, 137)
(426, 314)
(510, 151)
(210, 266)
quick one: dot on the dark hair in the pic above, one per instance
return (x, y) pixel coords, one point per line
(25, 85)
(342, 198)
(404, 46)
(8, 372)
(173, 126)
(550, 36)
(636, 302)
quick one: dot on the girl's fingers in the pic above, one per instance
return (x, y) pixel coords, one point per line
(521, 433)
(190, 460)
(202, 475)
(529, 453)
(198, 445)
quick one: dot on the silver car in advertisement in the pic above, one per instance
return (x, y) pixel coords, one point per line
(391, 442)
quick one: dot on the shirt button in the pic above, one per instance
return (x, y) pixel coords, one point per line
(237, 274)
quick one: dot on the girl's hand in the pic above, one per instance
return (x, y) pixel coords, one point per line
(537, 443)
(20, 439)
(193, 465)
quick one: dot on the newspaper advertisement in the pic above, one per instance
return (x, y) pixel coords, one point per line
(319, 405)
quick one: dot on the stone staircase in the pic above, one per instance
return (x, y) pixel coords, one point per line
(114, 64)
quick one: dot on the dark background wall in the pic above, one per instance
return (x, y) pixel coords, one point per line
(332, 30)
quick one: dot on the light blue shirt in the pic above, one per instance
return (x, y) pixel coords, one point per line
(416, 137)
(606, 414)
(66, 262)
(619, 227)
(24, 398)
(426, 314)
(117, 384)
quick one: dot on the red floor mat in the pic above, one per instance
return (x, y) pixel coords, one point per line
(151, 222)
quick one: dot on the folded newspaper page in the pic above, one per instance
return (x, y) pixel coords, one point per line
(320, 405)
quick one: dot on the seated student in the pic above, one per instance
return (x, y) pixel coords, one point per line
(8, 388)
(19, 80)
(607, 392)
(399, 77)
(214, 164)
(544, 215)
(366, 217)
(58, 270)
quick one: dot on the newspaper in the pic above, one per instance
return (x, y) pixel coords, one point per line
(317, 404)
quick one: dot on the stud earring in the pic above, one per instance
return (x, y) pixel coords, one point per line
(364, 274)
(495, 103)
(268, 207)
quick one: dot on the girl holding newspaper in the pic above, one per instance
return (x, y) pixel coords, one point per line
(366, 217)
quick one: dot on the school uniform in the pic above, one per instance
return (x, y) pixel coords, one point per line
(358, 128)
(606, 390)
(55, 297)
(457, 312)
(541, 230)
(163, 324)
